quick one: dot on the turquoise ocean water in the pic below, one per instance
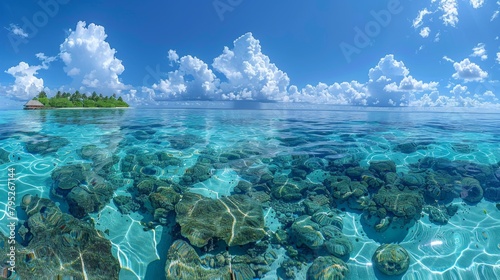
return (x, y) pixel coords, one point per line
(427, 181)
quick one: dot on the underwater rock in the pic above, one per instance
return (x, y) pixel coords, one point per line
(492, 194)
(103, 167)
(88, 151)
(143, 134)
(146, 186)
(87, 199)
(437, 215)
(146, 159)
(260, 196)
(307, 232)
(327, 268)
(391, 259)
(342, 188)
(183, 141)
(45, 144)
(471, 190)
(355, 173)
(236, 219)
(380, 168)
(440, 185)
(67, 177)
(127, 163)
(406, 148)
(288, 191)
(463, 148)
(415, 180)
(125, 204)
(63, 246)
(4, 156)
(197, 173)
(184, 263)
(314, 203)
(373, 183)
(327, 217)
(337, 244)
(481, 172)
(401, 203)
(164, 197)
(166, 159)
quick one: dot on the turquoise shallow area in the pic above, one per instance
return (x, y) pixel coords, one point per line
(466, 247)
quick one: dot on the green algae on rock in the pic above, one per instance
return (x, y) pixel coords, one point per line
(184, 263)
(327, 267)
(391, 259)
(236, 219)
(61, 246)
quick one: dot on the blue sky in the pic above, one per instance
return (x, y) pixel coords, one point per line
(370, 53)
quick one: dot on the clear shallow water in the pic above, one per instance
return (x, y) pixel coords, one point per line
(267, 141)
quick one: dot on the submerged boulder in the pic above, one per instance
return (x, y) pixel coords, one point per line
(307, 232)
(184, 263)
(60, 246)
(391, 259)
(236, 219)
(404, 203)
(4, 156)
(327, 268)
(45, 144)
(380, 168)
(471, 190)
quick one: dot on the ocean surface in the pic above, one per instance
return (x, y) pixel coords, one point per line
(296, 188)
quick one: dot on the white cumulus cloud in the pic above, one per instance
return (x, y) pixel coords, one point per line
(410, 84)
(498, 57)
(459, 90)
(417, 22)
(345, 93)
(90, 60)
(173, 56)
(424, 32)
(450, 12)
(479, 51)
(391, 84)
(193, 80)
(477, 3)
(27, 84)
(250, 73)
(468, 71)
(16, 30)
(388, 67)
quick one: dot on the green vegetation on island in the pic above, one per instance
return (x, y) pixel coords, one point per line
(79, 100)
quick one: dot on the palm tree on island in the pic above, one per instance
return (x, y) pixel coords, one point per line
(75, 100)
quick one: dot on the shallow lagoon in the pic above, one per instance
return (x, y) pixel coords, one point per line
(292, 164)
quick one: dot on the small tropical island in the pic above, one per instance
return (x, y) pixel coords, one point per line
(75, 100)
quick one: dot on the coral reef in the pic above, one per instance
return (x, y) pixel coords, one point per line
(84, 191)
(4, 156)
(391, 259)
(45, 144)
(57, 245)
(327, 268)
(236, 219)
